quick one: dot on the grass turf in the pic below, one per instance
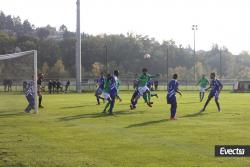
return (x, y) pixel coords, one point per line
(72, 131)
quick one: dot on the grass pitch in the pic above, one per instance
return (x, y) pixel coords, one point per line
(71, 131)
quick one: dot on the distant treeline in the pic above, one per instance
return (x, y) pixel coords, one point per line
(56, 52)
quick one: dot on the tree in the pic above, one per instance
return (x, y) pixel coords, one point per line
(45, 68)
(27, 28)
(97, 68)
(42, 33)
(58, 70)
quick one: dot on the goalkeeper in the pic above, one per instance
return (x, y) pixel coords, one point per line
(30, 95)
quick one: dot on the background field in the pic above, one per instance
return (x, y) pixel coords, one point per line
(72, 131)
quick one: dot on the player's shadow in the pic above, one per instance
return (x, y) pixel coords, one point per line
(192, 102)
(198, 114)
(147, 123)
(5, 115)
(98, 115)
(81, 106)
(74, 117)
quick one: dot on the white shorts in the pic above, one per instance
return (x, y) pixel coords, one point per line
(203, 90)
(106, 95)
(142, 90)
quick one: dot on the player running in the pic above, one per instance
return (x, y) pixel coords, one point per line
(203, 82)
(99, 90)
(171, 98)
(216, 88)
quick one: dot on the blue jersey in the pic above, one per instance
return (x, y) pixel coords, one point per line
(215, 86)
(113, 85)
(30, 88)
(136, 82)
(100, 82)
(150, 83)
(172, 87)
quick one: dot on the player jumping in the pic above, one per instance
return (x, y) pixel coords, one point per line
(142, 89)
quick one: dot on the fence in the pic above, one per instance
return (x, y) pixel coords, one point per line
(126, 85)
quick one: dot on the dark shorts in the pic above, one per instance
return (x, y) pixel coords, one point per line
(171, 99)
(214, 94)
(99, 91)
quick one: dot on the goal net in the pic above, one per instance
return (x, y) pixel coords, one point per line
(18, 80)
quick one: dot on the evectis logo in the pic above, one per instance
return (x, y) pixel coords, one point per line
(236, 151)
(232, 151)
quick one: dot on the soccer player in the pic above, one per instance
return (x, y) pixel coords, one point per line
(110, 91)
(216, 88)
(142, 89)
(203, 82)
(117, 86)
(39, 88)
(150, 85)
(171, 98)
(99, 90)
(151, 93)
(30, 95)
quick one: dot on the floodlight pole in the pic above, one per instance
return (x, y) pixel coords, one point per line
(194, 28)
(220, 65)
(106, 58)
(167, 63)
(78, 49)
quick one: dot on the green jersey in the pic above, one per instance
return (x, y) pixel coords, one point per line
(143, 79)
(203, 82)
(106, 85)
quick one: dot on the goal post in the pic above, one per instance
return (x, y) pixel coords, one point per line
(22, 54)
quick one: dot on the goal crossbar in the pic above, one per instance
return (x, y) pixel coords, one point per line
(20, 54)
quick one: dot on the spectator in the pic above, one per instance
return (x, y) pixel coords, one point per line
(50, 86)
(156, 83)
(5, 84)
(58, 86)
(24, 86)
(54, 86)
(67, 86)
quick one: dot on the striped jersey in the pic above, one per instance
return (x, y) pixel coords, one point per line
(172, 87)
(30, 90)
(215, 85)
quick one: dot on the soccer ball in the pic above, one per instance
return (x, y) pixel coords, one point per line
(147, 56)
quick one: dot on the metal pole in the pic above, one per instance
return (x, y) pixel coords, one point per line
(220, 65)
(194, 28)
(106, 58)
(167, 63)
(35, 80)
(78, 50)
(194, 58)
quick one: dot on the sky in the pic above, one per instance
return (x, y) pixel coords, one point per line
(222, 22)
